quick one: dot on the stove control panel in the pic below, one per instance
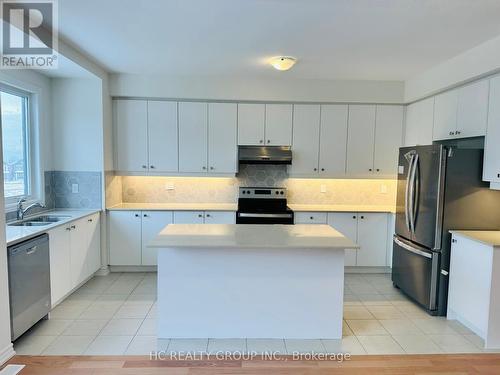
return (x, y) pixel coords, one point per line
(262, 193)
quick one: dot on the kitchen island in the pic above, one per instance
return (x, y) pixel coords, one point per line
(250, 281)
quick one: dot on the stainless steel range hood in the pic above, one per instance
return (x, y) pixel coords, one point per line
(265, 154)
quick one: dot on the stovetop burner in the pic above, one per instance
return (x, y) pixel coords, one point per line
(261, 205)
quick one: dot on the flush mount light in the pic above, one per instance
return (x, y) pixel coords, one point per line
(282, 62)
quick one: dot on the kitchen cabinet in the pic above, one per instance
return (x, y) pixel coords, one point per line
(220, 217)
(369, 231)
(311, 217)
(222, 134)
(162, 137)
(204, 217)
(131, 135)
(462, 112)
(189, 217)
(360, 139)
(78, 251)
(491, 167)
(278, 125)
(152, 224)
(125, 238)
(251, 124)
(388, 139)
(306, 136)
(333, 140)
(193, 137)
(94, 243)
(419, 123)
(264, 124)
(60, 260)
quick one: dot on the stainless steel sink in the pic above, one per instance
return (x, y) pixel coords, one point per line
(48, 218)
(29, 224)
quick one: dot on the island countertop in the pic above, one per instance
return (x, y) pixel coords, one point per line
(251, 236)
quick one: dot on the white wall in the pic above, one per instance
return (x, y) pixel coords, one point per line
(472, 64)
(77, 124)
(233, 88)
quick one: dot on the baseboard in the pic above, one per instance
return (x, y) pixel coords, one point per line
(133, 268)
(103, 271)
(357, 269)
(7, 353)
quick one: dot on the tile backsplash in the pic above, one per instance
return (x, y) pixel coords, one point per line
(88, 193)
(138, 189)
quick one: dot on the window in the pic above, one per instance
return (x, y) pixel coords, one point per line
(14, 111)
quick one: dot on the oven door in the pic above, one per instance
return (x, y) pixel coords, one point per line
(264, 218)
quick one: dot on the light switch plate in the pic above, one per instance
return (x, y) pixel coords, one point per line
(322, 188)
(383, 189)
(75, 188)
(169, 186)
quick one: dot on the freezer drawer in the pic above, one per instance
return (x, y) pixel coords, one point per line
(415, 272)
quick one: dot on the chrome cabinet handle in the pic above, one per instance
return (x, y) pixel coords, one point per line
(152, 166)
(89, 220)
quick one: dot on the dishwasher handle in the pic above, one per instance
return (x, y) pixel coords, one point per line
(31, 250)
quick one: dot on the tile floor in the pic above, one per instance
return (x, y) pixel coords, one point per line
(116, 314)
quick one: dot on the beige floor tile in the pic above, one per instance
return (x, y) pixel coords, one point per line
(454, 344)
(121, 327)
(364, 288)
(188, 346)
(85, 328)
(98, 312)
(367, 327)
(386, 312)
(152, 314)
(352, 300)
(477, 341)
(227, 345)
(149, 327)
(32, 344)
(266, 346)
(459, 327)
(69, 310)
(380, 345)
(374, 300)
(357, 312)
(304, 346)
(109, 345)
(69, 345)
(142, 298)
(133, 311)
(400, 327)
(142, 345)
(348, 344)
(346, 331)
(417, 344)
(435, 326)
(51, 327)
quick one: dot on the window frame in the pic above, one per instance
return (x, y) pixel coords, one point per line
(30, 177)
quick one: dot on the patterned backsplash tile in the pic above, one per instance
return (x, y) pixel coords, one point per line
(89, 193)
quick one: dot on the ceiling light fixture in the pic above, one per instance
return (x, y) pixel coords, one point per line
(282, 62)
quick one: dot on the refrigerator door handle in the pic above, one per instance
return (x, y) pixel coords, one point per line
(412, 249)
(407, 191)
(411, 208)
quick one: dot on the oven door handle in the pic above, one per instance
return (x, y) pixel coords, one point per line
(272, 216)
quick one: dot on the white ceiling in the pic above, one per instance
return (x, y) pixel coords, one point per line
(333, 39)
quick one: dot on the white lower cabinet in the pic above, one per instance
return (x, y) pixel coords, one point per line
(369, 231)
(75, 254)
(125, 238)
(189, 217)
(204, 217)
(152, 223)
(311, 217)
(220, 217)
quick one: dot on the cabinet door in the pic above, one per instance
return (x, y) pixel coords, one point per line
(360, 140)
(131, 130)
(473, 109)
(93, 229)
(251, 124)
(388, 138)
(60, 262)
(78, 251)
(193, 137)
(311, 218)
(278, 130)
(445, 115)
(419, 123)
(333, 140)
(222, 134)
(162, 136)
(491, 167)
(372, 239)
(189, 217)
(153, 223)
(124, 238)
(305, 145)
(220, 217)
(347, 224)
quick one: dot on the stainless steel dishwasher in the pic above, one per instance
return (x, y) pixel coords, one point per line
(29, 283)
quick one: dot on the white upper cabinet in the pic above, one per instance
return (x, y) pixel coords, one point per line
(131, 135)
(222, 133)
(388, 138)
(162, 136)
(278, 125)
(251, 124)
(333, 140)
(445, 115)
(193, 135)
(305, 145)
(472, 113)
(360, 140)
(491, 167)
(419, 123)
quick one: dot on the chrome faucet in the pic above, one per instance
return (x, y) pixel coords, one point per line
(22, 211)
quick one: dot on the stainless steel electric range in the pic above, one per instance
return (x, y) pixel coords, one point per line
(257, 205)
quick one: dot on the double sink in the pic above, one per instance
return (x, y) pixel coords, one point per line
(39, 221)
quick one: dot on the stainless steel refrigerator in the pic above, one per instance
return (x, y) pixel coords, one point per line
(439, 189)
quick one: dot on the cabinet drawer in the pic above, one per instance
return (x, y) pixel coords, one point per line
(310, 218)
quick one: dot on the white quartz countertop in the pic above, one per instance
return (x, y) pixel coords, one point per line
(487, 237)
(19, 234)
(175, 207)
(341, 208)
(251, 236)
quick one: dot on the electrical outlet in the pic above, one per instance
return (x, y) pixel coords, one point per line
(322, 188)
(169, 186)
(383, 189)
(75, 188)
